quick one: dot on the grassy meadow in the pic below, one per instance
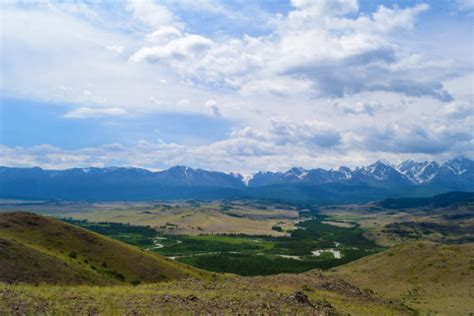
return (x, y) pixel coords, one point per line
(192, 219)
(432, 277)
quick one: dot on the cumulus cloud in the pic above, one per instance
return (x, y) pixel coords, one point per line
(248, 151)
(307, 132)
(324, 82)
(212, 104)
(181, 52)
(150, 13)
(164, 34)
(414, 138)
(334, 56)
(459, 111)
(388, 20)
(358, 108)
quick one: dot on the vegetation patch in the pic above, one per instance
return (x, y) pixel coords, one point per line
(251, 255)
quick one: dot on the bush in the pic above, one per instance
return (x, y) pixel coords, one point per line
(277, 228)
(73, 255)
(117, 275)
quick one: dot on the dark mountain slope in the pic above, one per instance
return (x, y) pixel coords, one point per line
(440, 200)
(344, 185)
(116, 184)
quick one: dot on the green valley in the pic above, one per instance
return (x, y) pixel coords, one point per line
(48, 267)
(154, 258)
(251, 255)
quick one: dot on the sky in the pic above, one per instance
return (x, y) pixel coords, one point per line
(235, 85)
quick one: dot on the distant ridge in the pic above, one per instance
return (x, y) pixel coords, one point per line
(376, 181)
(440, 200)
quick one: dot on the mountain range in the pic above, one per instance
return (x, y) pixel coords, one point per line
(343, 185)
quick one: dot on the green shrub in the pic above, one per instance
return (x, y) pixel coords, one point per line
(117, 275)
(277, 228)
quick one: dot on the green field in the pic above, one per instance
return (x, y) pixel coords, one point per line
(250, 255)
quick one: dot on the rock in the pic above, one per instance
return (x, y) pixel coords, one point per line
(191, 298)
(301, 298)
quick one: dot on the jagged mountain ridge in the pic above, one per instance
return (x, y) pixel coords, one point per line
(378, 180)
(407, 172)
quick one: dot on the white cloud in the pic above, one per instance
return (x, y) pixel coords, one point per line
(358, 108)
(280, 86)
(181, 52)
(316, 49)
(116, 48)
(83, 112)
(459, 111)
(150, 13)
(184, 102)
(307, 132)
(79, 69)
(389, 20)
(336, 82)
(465, 5)
(164, 34)
(212, 104)
(250, 150)
(412, 137)
(312, 8)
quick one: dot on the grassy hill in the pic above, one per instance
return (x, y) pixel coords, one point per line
(57, 269)
(311, 293)
(425, 276)
(38, 249)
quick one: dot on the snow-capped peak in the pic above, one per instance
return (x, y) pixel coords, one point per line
(384, 162)
(346, 172)
(418, 171)
(456, 165)
(380, 170)
(300, 173)
(246, 178)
